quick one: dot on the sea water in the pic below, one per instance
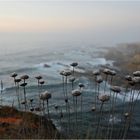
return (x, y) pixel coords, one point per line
(48, 58)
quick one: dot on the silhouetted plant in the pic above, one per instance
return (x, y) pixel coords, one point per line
(103, 98)
(72, 79)
(116, 90)
(45, 96)
(74, 64)
(95, 73)
(75, 94)
(25, 100)
(17, 81)
(1, 90)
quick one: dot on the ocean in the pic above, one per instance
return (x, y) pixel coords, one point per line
(48, 58)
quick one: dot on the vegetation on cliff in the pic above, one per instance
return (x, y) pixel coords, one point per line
(15, 124)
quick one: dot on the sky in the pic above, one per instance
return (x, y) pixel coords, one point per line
(104, 21)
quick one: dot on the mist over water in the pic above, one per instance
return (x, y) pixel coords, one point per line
(29, 53)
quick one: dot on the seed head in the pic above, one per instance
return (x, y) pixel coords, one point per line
(45, 95)
(38, 77)
(104, 98)
(76, 92)
(116, 89)
(136, 73)
(24, 77)
(14, 75)
(74, 64)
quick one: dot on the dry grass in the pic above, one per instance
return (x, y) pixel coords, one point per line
(16, 125)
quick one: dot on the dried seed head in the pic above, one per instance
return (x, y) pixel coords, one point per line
(24, 77)
(42, 82)
(74, 64)
(62, 73)
(116, 89)
(136, 73)
(131, 83)
(126, 114)
(23, 84)
(107, 71)
(17, 80)
(76, 92)
(112, 73)
(38, 77)
(32, 109)
(14, 75)
(66, 100)
(56, 107)
(99, 79)
(31, 100)
(45, 95)
(128, 78)
(23, 102)
(67, 73)
(136, 80)
(61, 115)
(93, 108)
(96, 72)
(81, 85)
(104, 98)
(37, 109)
(72, 79)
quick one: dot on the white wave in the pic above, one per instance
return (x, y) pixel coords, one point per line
(100, 61)
(114, 119)
(127, 96)
(55, 67)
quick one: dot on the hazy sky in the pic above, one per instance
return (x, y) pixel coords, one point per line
(99, 19)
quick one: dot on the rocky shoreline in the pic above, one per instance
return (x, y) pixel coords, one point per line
(126, 59)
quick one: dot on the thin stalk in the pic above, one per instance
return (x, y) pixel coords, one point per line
(122, 135)
(76, 118)
(61, 118)
(48, 109)
(131, 109)
(1, 90)
(95, 91)
(126, 129)
(72, 84)
(66, 87)
(123, 111)
(136, 100)
(25, 97)
(113, 105)
(108, 127)
(73, 71)
(18, 95)
(127, 126)
(105, 83)
(99, 119)
(81, 107)
(68, 116)
(39, 92)
(43, 107)
(63, 82)
(74, 110)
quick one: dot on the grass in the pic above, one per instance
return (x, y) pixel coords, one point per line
(16, 125)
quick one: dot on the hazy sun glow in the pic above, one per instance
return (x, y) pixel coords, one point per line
(118, 19)
(65, 15)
